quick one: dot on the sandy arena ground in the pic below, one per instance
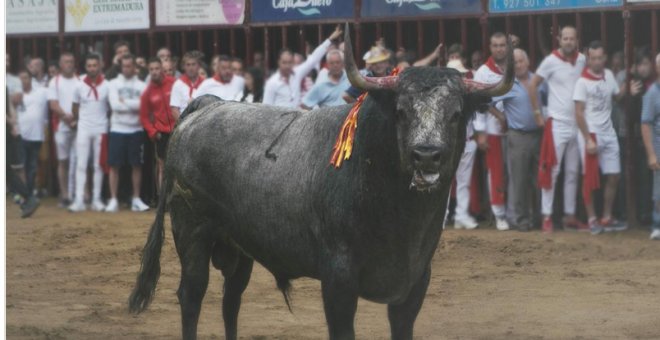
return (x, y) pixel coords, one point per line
(69, 276)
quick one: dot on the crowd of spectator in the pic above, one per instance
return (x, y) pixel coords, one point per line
(566, 115)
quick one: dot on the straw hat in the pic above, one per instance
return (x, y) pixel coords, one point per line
(457, 65)
(376, 55)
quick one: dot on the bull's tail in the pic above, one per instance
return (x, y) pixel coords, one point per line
(145, 286)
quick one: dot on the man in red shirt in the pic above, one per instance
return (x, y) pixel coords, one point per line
(155, 112)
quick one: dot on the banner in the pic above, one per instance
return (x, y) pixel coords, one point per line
(507, 6)
(298, 10)
(32, 16)
(199, 12)
(416, 8)
(105, 15)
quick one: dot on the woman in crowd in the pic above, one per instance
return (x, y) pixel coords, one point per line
(254, 86)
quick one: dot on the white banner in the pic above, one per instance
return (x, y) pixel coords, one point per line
(199, 12)
(643, 0)
(105, 15)
(32, 16)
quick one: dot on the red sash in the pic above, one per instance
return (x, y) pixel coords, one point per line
(219, 80)
(548, 157)
(103, 157)
(490, 63)
(591, 180)
(569, 59)
(191, 86)
(93, 85)
(496, 169)
(588, 75)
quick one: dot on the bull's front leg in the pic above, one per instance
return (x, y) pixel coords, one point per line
(340, 296)
(402, 316)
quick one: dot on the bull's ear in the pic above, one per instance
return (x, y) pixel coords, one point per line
(476, 102)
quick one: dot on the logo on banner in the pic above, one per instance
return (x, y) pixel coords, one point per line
(424, 5)
(78, 11)
(233, 10)
(305, 7)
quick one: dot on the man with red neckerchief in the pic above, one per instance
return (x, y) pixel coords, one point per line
(599, 145)
(224, 84)
(490, 128)
(187, 85)
(155, 113)
(561, 70)
(90, 110)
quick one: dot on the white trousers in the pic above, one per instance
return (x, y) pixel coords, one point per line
(566, 148)
(86, 142)
(463, 179)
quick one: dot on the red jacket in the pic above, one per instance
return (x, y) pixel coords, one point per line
(155, 112)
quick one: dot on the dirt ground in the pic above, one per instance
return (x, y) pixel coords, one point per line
(69, 277)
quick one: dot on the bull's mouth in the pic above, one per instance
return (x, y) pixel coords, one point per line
(425, 180)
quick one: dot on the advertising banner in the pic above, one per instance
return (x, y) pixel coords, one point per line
(416, 8)
(105, 15)
(199, 12)
(507, 6)
(300, 10)
(32, 16)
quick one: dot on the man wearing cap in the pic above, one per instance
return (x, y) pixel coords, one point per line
(378, 64)
(490, 129)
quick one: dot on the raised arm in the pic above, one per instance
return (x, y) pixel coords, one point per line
(533, 91)
(313, 59)
(429, 58)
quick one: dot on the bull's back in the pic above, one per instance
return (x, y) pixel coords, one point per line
(260, 166)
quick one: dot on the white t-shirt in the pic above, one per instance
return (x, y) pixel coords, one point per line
(561, 77)
(181, 94)
(61, 89)
(597, 96)
(33, 114)
(93, 112)
(227, 91)
(13, 83)
(486, 121)
(124, 97)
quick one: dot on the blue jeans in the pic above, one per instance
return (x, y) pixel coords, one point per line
(31, 151)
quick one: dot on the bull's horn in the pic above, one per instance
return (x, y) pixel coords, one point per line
(501, 88)
(354, 76)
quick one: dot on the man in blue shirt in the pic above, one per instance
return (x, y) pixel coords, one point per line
(651, 136)
(523, 146)
(329, 92)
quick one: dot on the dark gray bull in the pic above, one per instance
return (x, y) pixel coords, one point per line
(251, 182)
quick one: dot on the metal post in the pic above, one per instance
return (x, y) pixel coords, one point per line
(285, 42)
(266, 48)
(249, 46)
(399, 35)
(532, 40)
(232, 42)
(464, 37)
(654, 32)
(555, 31)
(578, 27)
(216, 43)
(420, 39)
(603, 29)
(631, 190)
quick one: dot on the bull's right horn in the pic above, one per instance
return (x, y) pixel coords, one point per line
(354, 76)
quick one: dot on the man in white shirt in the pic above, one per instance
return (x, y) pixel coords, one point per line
(126, 139)
(60, 99)
(32, 112)
(90, 110)
(284, 87)
(13, 83)
(560, 70)
(490, 131)
(224, 84)
(330, 91)
(37, 68)
(599, 145)
(186, 86)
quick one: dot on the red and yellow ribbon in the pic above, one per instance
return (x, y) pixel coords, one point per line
(344, 144)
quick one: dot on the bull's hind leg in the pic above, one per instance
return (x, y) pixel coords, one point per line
(235, 284)
(193, 244)
(402, 316)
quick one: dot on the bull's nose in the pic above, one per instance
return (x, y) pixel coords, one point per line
(427, 157)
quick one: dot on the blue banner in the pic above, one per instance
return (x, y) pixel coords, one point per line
(416, 8)
(299, 10)
(507, 6)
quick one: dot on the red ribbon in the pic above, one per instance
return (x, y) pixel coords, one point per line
(93, 85)
(591, 180)
(191, 86)
(569, 59)
(493, 66)
(548, 157)
(496, 169)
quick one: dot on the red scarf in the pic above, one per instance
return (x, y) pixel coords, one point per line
(569, 59)
(496, 169)
(191, 86)
(493, 66)
(591, 76)
(591, 180)
(548, 157)
(219, 80)
(93, 85)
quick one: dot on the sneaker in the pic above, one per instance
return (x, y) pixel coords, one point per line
(77, 207)
(138, 205)
(97, 205)
(501, 224)
(595, 227)
(113, 206)
(611, 224)
(655, 234)
(29, 207)
(547, 227)
(573, 224)
(465, 223)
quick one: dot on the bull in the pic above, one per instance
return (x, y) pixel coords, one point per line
(246, 182)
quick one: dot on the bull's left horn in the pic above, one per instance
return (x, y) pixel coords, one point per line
(354, 76)
(501, 88)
